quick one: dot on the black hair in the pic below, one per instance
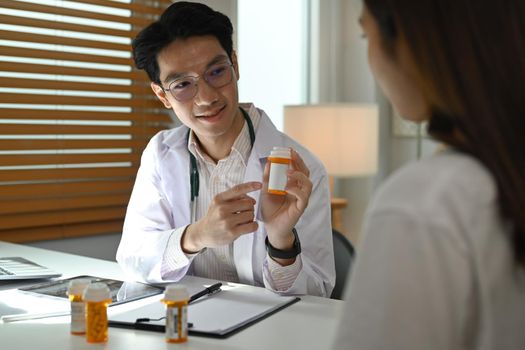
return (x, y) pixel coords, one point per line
(180, 20)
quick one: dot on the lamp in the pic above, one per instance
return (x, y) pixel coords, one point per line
(343, 136)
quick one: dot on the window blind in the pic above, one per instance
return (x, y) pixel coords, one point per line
(74, 115)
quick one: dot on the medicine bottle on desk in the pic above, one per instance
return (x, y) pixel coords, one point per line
(280, 159)
(176, 298)
(97, 299)
(75, 293)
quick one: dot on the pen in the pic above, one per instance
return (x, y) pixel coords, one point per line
(211, 289)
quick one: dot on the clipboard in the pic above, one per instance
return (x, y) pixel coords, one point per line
(219, 315)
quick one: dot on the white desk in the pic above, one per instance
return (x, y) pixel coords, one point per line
(308, 324)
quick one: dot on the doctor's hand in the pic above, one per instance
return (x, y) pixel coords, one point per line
(281, 213)
(230, 214)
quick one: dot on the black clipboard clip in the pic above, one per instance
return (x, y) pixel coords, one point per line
(142, 323)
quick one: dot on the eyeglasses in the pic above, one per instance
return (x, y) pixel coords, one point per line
(185, 88)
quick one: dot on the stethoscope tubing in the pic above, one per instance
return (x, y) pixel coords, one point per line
(194, 171)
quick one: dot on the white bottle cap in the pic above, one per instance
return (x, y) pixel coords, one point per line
(281, 152)
(97, 292)
(176, 292)
(77, 286)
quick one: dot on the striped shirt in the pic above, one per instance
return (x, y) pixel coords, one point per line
(214, 178)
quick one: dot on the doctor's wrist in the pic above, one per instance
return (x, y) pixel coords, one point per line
(189, 242)
(284, 256)
(282, 241)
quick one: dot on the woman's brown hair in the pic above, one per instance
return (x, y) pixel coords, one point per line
(470, 58)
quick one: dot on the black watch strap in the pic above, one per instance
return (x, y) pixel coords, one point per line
(285, 254)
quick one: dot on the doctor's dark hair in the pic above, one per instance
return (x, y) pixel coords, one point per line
(180, 20)
(469, 61)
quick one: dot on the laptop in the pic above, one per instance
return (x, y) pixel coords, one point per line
(18, 268)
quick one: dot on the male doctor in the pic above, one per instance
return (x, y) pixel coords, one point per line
(200, 205)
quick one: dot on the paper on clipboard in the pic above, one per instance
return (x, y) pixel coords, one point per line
(219, 315)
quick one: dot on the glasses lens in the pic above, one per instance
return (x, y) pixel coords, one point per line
(183, 89)
(219, 75)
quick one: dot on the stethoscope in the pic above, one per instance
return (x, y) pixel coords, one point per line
(194, 171)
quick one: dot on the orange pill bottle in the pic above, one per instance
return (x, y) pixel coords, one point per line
(280, 160)
(97, 299)
(75, 292)
(176, 298)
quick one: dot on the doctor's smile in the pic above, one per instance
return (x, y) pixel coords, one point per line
(212, 116)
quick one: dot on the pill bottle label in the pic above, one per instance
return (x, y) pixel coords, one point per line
(177, 329)
(78, 317)
(278, 176)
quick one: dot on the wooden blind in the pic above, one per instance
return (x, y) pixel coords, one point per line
(74, 115)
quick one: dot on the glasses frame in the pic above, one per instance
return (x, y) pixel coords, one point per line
(196, 78)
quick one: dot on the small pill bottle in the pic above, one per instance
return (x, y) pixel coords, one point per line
(176, 298)
(280, 159)
(75, 292)
(97, 299)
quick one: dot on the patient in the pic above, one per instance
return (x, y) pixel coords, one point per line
(441, 264)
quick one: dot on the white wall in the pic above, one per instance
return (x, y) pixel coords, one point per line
(271, 51)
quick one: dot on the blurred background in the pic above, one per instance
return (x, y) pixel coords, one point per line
(75, 114)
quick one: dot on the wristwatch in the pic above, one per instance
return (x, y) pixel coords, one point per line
(284, 254)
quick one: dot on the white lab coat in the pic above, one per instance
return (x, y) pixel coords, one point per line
(160, 203)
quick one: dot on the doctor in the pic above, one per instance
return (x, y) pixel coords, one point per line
(200, 205)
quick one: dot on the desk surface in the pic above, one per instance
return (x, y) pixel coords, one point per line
(308, 324)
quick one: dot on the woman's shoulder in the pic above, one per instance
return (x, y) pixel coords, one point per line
(445, 179)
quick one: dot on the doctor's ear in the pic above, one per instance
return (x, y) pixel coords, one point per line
(161, 94)
(235, 64)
